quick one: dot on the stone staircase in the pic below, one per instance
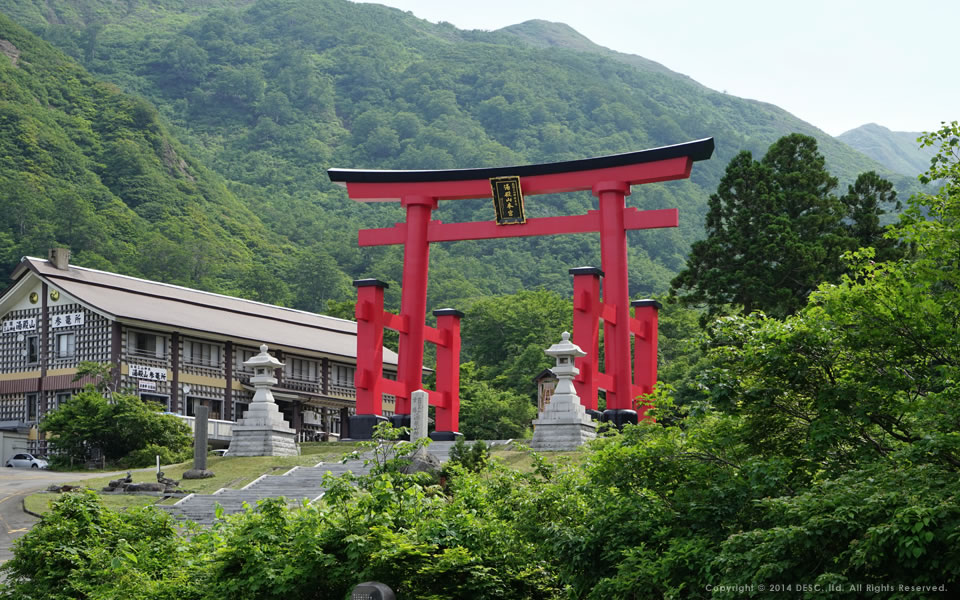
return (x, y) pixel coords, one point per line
(296, 485)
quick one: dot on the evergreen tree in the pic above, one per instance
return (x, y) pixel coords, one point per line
(775, 231)
(863, 202)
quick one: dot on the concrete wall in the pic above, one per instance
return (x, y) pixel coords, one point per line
(11, 442)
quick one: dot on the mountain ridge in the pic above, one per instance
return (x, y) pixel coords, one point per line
(268, 94)
(899, 151)
(551, 34)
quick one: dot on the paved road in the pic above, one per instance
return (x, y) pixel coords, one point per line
(15, 484)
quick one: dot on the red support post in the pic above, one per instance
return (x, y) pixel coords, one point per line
(447, 411)
(368, 377)
(413, 300)
(587, 307)
(616, 294)
(646, 322)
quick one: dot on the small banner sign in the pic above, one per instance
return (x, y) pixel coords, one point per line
(508, 200)
(144, 372)
(146, 386)
(67, 320)
(18, 325)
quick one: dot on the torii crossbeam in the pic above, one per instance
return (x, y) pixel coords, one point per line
(609, 178)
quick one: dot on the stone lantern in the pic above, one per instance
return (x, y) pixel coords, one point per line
(262, 430)
(263, 366)
(564, 424)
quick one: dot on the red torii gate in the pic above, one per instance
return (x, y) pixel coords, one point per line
(609, 179)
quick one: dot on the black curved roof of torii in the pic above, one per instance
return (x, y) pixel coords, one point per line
(695, 150)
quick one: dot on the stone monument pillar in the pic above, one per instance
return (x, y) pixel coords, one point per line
(262, 430)
(564, 424)
(200, 432)
(419, 409)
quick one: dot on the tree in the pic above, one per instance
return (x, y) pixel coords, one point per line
(728, 266)
(775, 231)
(866, 370)
(317, 280)
(487, 413)
(505, 337)
(117, 427)
(864, 202)
(185, 62)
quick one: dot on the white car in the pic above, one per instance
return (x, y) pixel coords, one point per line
(27, 461)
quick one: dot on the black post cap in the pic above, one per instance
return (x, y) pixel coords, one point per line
(586, 271)
(646, 302)
(619, 417)
(448, 312)
(370, 282)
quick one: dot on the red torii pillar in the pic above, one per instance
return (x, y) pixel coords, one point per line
(589, 310)
(645, 328)
(609, 178)
(369, 381)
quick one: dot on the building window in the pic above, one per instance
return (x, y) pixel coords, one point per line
(63, 398)
(199, 353)
(33, 349)
(305, 370)
(66, 345)
(239, 409)
(162, 401)
(147, 344)
(33, 406)
(246, 355)
(343, 376)
(215, 406)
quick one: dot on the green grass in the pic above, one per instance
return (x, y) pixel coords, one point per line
(522, 460)
(236, 472)
(39, 504)
(232, 472)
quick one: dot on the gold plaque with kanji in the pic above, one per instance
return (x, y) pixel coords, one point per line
(507, 200)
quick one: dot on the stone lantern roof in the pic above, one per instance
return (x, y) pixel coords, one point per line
(565, 347)
(263, 359)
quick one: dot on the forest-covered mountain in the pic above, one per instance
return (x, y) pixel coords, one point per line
(269, 94)
(898, 151)
(90, 167)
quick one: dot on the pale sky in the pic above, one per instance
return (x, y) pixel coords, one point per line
(836, 64)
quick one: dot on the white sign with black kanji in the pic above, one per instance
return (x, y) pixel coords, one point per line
(18, 325)
(67, 320)
(151, 373)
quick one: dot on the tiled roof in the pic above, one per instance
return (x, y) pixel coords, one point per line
(175, 307)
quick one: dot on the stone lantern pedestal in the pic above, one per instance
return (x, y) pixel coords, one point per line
(564, 424)
(262, 430)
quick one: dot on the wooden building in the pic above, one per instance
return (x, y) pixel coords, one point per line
(173, 345)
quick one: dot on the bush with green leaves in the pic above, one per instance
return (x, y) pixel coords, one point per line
(652, 512)
(473, 457)
(489, 413)
(82, 550)
(146, 456)
(118, 427)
